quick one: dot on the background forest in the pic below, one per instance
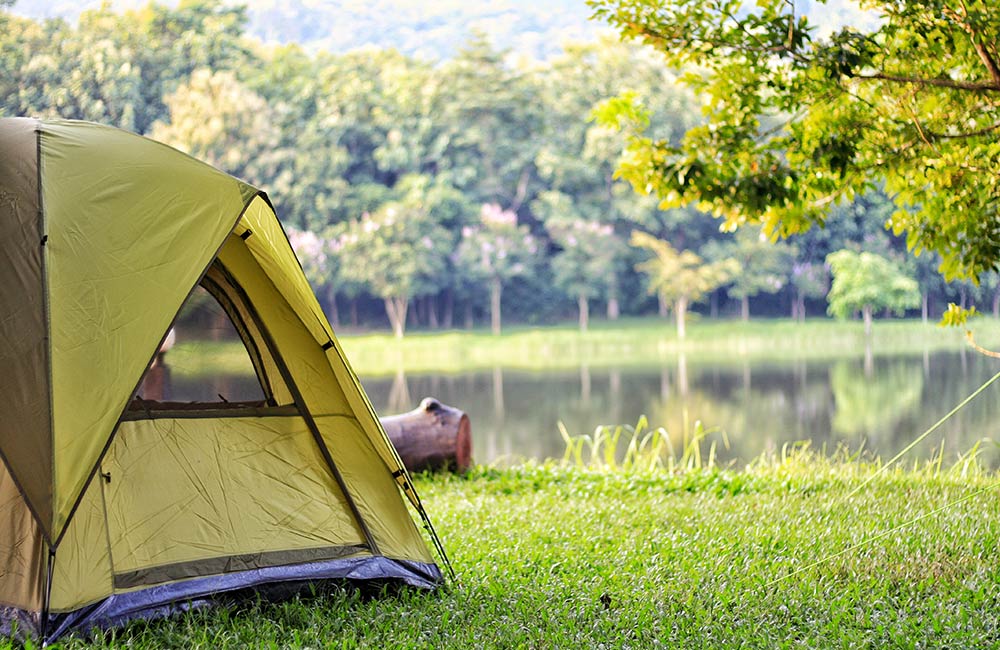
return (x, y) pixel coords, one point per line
(453, 183)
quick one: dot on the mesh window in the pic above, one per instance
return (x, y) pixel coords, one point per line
(203, 360)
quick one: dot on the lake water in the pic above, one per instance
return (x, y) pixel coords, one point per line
(880, 405)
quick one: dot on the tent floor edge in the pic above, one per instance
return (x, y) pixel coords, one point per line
(17, 623)
(273, 583)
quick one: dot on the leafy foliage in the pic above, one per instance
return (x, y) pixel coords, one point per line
(332, 137)
(397, 251)
(680, 277)
(494, 251)
(764, 266)
(797, 119)
(866, 282)
(217, 119)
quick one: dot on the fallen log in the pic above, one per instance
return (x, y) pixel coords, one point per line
(433, 436)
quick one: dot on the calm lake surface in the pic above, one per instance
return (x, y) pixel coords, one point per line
(880, 405)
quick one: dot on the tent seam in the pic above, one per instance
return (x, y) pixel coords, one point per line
(47, 317)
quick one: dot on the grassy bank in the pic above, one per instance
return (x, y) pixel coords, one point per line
(630, 342)
(554, 557)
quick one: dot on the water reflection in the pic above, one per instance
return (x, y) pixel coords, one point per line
(880, 403)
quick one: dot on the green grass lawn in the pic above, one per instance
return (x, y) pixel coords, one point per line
(561, 557)
(628, 342)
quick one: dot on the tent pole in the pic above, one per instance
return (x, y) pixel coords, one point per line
(44, 631)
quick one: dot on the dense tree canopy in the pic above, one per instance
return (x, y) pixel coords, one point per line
(799, 117)
(417, 189)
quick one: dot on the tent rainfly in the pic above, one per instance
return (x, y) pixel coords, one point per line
(114, 507)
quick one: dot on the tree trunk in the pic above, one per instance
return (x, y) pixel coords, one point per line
(413, 314)
(432, 317)
(996, 303)
(802, 308)
(495, 289)
(468, 315)
(584, 306)
(614, 311)
(433, 437)
(745, 308)
(681, 309)
(448, 321)
(395, 309)
(354, 311)
(923, 307)
(331, 299)
(661, 305)
(866, 313)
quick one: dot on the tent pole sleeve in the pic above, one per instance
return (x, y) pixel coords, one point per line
(303, 411)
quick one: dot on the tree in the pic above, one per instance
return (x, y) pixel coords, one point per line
(397, 252)
(171, 43)
(577, 157)
(495, 251)
(489, 111)
(217, 119)
(798, 118)
(53, 70)
(764, 265)
(307, 183)
(588, 263)
(680, 277)
(589, 253)
(810, 281)
(865, 282)
(315, 254)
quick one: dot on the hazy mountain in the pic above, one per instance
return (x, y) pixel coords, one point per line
(426, 28)
(430, 29)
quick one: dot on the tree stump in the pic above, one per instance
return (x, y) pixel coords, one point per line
(433, 436)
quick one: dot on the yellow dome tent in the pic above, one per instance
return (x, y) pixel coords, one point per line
(113, 507)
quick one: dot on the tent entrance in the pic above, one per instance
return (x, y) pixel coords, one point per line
(214, 359)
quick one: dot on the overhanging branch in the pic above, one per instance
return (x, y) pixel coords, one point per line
(941, 83)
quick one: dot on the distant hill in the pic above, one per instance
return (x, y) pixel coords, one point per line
(425, 29)
(431, 29)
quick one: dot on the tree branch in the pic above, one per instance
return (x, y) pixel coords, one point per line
(958, 136)
(670, 44)
(941, 83)
(978, 348)
(984, 54)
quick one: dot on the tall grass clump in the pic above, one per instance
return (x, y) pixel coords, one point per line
(645, 449)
